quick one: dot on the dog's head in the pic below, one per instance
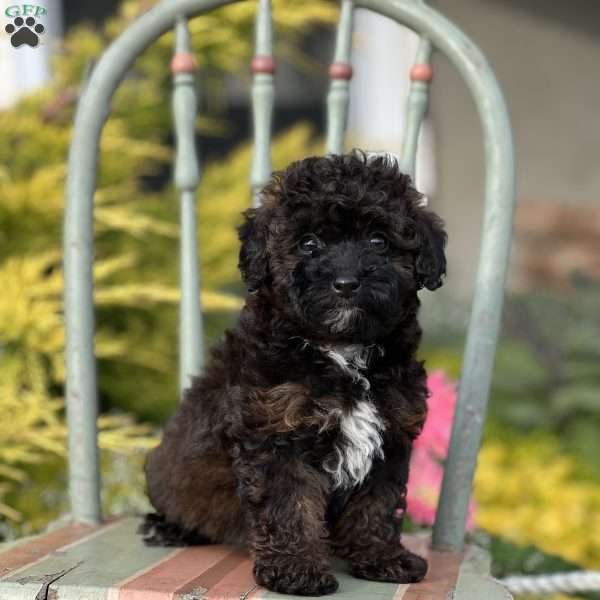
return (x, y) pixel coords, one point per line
(342, 243)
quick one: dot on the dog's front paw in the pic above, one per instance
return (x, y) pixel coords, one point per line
(404, 568)
(291, 576)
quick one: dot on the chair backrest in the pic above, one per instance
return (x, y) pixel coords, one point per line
(435, 32)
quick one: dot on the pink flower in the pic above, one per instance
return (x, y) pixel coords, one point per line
(435, 436)
(423, 486)
(430, 450)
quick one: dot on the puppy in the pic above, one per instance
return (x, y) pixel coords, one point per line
(295, 442)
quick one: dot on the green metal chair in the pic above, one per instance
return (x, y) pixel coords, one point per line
(92, 558)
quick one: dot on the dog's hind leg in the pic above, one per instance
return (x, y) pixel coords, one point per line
(195, 498)
(156, 531)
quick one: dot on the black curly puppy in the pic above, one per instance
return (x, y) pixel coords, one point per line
(295, 442)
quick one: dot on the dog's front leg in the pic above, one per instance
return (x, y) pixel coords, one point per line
(367, 532)
(284, 502)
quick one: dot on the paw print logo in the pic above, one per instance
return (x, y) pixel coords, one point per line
(24, 31)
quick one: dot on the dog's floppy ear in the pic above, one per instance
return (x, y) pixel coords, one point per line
(430, 265)
(253, 262)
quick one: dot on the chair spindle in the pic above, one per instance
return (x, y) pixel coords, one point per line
(187, 178)
(417, 104)
(263, 96)
(340, 73)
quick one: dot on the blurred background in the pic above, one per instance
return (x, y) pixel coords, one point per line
(537, 495)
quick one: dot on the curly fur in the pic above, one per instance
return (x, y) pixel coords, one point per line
(295, 442)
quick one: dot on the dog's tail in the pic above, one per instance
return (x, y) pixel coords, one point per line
(156, 531)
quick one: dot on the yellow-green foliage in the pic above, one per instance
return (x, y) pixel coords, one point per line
(32, 428)
(136, 236)
(530, 492)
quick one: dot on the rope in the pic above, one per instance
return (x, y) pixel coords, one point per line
(576, 581)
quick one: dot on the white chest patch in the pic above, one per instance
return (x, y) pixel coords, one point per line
(360, 444)
(360, 440)
(352, 359)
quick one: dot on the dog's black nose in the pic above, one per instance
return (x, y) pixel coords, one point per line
(346, 286)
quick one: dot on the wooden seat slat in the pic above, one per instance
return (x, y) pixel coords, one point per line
(111, 562)
(26, 551)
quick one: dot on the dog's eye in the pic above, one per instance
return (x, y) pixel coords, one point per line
(309, 243)
(378, 242)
